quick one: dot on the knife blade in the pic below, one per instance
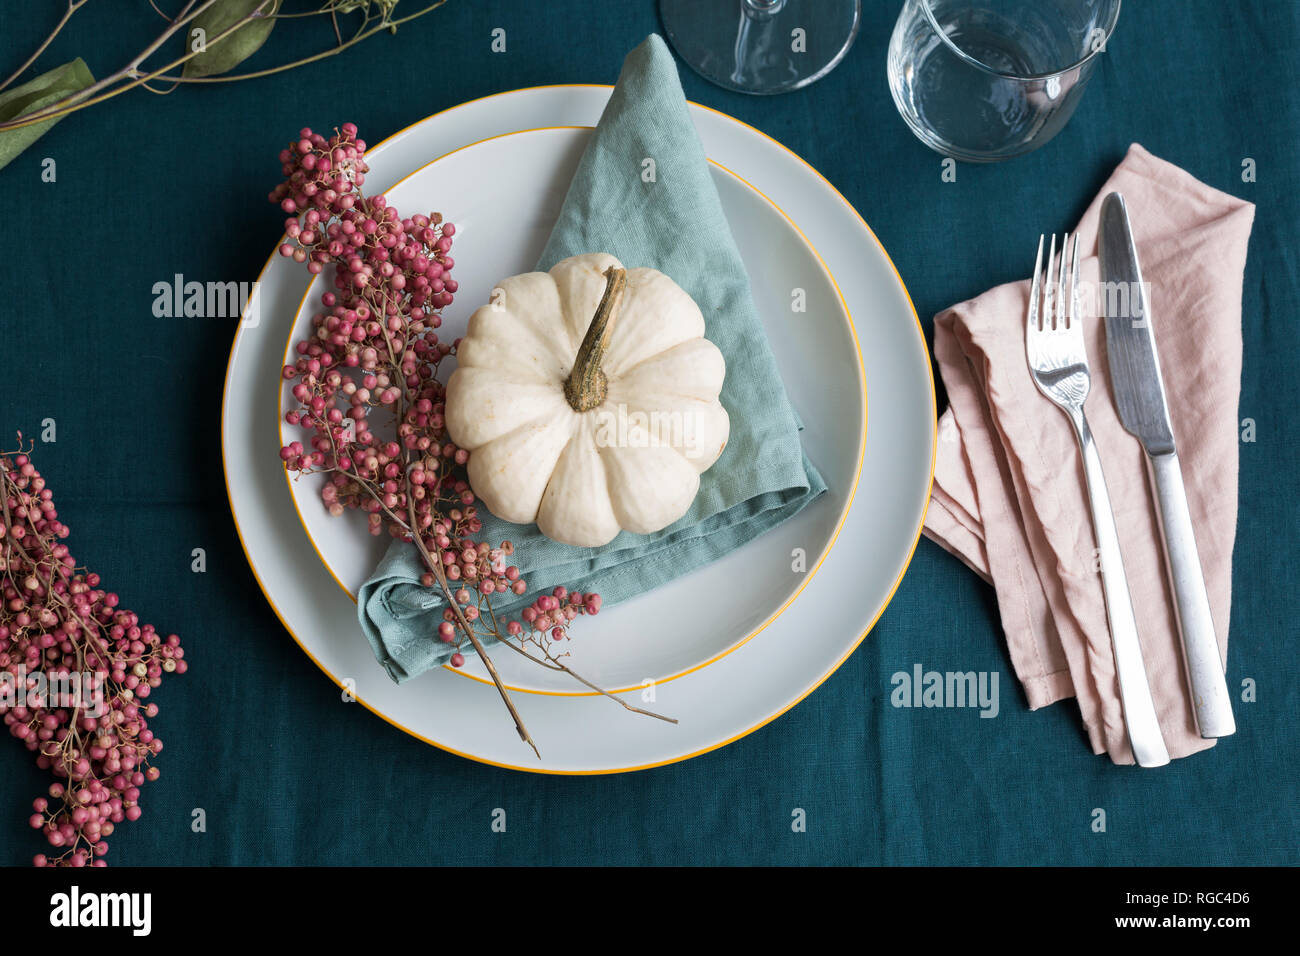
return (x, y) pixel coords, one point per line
(1139, 392)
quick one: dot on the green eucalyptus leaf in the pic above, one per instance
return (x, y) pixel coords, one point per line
(46, 90)
(221, 56)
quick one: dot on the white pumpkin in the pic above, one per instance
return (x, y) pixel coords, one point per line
(587, 397)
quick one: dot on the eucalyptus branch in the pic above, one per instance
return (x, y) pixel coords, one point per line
(80, 100)
(134, 75)
(324, 54)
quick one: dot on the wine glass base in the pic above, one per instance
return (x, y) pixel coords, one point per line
(761, 46)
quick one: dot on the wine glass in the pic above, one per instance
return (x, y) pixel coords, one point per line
(761, 46)
(984, 80)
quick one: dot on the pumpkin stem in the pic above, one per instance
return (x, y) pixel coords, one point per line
(587, 385)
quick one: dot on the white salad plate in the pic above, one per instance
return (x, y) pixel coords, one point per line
(501, 232)
(729, 647)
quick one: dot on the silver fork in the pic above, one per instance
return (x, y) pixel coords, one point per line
(1059, 365)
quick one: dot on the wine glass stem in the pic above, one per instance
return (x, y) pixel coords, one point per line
(762, 8)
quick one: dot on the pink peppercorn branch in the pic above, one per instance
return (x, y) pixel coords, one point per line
(374, 347)
(59, 627)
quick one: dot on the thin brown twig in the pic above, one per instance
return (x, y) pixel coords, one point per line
(351, 41)
(170, 89)
(550, 663)
(134, 77)
(441, 577)
(73, 7)
(86, 97)
(553, 664)
(78, 100)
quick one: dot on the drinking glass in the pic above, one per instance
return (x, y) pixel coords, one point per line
(984, 80)
(761, 46)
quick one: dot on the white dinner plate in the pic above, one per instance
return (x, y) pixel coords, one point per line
(500, 232)
(740, 691)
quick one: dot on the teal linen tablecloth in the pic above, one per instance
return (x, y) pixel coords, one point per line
(258, 737)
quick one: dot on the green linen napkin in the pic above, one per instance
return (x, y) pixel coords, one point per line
(671, 221)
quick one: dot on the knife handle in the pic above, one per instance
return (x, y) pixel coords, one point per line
(1134, 690)
(1205, 666)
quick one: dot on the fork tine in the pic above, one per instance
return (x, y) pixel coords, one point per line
(1031, 318)
(1049, 292)
(1059, 305)
(1072, 317)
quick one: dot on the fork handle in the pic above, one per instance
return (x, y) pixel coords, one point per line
(1210, 697)
(1134, 690)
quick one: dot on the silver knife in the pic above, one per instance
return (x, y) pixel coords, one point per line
(1144, 410)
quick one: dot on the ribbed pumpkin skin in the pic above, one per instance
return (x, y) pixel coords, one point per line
(633, 462)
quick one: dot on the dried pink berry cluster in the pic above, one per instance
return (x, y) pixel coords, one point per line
(551, 612)
(75, 671)
(374, 347)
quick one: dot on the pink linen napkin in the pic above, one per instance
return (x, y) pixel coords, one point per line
(1009, 497)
